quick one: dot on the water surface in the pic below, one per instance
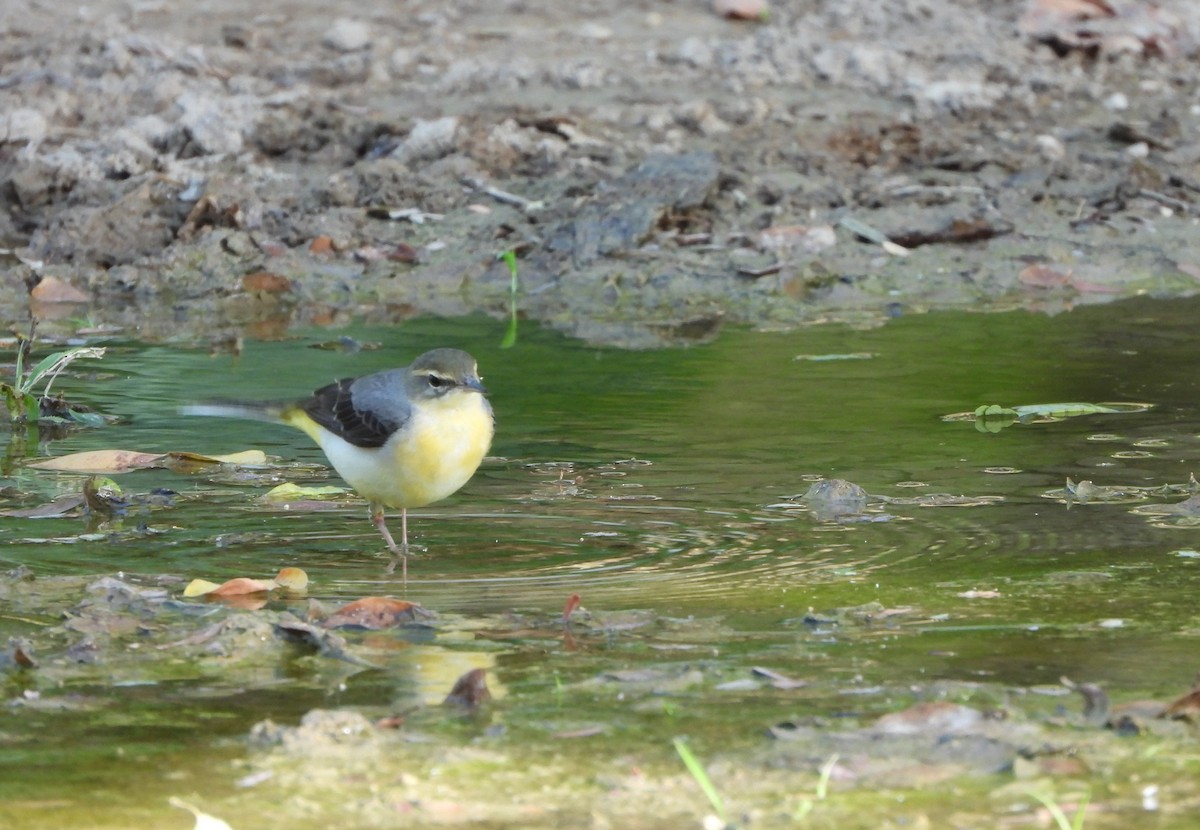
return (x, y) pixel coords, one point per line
(660, 483)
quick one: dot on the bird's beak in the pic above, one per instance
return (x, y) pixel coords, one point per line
(476, 384)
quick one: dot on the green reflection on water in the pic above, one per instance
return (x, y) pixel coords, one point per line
(654, 480)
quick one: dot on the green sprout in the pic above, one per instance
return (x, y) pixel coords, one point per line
(701, 776)
(1056, 812)
(509, 258)
(26, 407)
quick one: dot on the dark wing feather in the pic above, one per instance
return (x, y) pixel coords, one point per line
(333, 407)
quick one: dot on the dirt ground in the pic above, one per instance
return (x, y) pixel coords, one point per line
(660, 170)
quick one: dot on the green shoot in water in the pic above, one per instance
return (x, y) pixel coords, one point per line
(701, 776)
(510, 336)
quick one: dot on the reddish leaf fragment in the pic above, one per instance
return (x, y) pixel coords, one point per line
(20, 653)
(390, 722)
(1184, 708)
(374, 613)
(571, 605)
(470, 691)
(321, 245)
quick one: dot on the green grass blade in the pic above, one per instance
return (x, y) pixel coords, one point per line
(701, 775)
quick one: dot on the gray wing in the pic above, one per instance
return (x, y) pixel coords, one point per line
(364, 411)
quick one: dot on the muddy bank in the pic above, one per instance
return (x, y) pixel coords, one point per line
(659, 170)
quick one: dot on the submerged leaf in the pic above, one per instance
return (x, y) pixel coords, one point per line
(374, 613)
(61, 506)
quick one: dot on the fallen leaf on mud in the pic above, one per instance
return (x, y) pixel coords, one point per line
(375, 613)
(470, 690)
(55, 290)
(100, 461)
(957, 231)
(266, 282)
(1096, 26)
(203, 820)
(321, 245)
(400, 252)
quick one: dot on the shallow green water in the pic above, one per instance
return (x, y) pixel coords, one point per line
(653, 483)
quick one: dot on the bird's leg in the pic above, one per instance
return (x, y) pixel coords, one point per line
(398, 551)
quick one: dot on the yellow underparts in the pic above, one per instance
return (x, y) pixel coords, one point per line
(434, 455)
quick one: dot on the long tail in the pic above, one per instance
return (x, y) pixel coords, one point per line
(252, 410)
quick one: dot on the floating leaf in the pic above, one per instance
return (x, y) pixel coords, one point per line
(199, 587)
(289, 492)
(292, 579)
(245, 458)
(100, 461)
(289, 579)
(993, 418)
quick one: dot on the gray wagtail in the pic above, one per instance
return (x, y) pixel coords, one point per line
(402, 438)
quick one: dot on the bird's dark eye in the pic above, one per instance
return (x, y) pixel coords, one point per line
(438, 382)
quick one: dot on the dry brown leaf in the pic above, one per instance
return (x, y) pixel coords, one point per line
(321, 245)
(100, 461)
(242, 585)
